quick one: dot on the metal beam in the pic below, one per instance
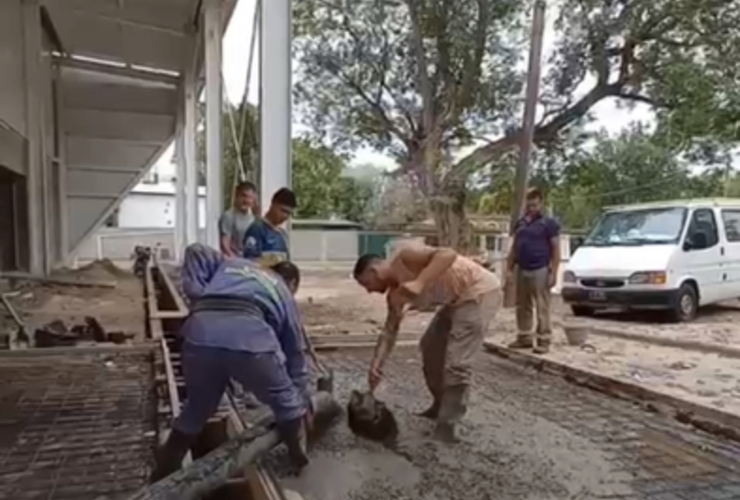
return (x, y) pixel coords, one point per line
(63, 168)
(94, 196)
(34, 133)
(134, 23)
(190, 171)
(105, 170)
(275, 97)
(117, 70)
(214, 122)
(122, 141)
(180, 212)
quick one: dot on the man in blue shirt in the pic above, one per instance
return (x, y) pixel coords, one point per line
(265, 241)
(535, 257)
(244, 325)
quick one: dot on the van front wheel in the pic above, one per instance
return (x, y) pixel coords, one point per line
(686, 304)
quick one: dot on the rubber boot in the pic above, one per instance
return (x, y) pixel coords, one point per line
(451, 412)
(170, 455)
(522, 342)
(293, 435)
(432, 412)
(542, 347)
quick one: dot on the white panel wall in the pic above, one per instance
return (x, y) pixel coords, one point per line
(152, 210)
(12, 84)
(306, 244)
(341, 245)
(82, 214)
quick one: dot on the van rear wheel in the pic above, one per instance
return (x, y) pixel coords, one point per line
(582, 311)
(686, 305)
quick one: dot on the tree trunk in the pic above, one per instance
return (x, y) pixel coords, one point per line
(448, 210)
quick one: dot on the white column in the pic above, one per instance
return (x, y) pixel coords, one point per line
(190, 172)
(180, 237)
(63, 218)
(214, 133)
(34, 133)
(275, 98)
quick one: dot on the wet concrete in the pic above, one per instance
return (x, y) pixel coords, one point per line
(526, 437)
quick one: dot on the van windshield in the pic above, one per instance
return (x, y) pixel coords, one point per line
(638, 227)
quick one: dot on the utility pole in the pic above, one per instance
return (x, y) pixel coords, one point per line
(527, 133)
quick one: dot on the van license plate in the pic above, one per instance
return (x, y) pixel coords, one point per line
(597, 295)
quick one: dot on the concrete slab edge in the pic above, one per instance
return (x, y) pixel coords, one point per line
(711, 420)
(691, 345)
(139, 348)
(360, 345)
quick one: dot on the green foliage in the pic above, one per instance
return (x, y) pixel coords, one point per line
(322, 189)
(633, 166)
(321, 186)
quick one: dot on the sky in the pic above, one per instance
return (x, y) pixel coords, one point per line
(235, 60)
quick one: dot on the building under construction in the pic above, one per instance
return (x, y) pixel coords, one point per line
(91, 93)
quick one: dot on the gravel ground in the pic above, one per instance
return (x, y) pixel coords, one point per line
(527, 436)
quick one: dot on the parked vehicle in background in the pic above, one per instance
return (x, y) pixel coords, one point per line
(671, 255)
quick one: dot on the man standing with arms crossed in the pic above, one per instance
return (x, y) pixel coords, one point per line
(534, 258)
(468, 297)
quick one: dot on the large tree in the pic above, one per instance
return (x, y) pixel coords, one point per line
(419, 78)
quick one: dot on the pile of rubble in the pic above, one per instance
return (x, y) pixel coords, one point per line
(58, 334)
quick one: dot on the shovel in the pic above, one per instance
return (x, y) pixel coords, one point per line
(325, 381)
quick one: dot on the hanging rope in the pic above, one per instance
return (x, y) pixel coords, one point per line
(256, 27)
(244, 107)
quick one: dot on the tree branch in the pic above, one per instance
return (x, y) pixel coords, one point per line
(376, 106)
(471, 68)
(425, 84)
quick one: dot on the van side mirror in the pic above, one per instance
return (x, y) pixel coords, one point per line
(696, 241)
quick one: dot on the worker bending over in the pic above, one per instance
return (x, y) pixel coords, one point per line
(421, 276)
(243, 325)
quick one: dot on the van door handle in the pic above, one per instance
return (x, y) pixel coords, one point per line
(721, 250)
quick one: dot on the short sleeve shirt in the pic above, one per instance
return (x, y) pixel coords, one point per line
(234, 224)
(265, 243)
(534, 241)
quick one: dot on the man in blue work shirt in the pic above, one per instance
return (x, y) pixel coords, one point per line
(265, 241)
(244, 325)
(535, 257)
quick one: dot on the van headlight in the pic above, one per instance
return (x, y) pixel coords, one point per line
(648, 278)
(569, 277)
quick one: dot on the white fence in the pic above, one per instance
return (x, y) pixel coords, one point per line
(307, 245)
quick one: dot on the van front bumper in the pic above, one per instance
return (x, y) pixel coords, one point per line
(633, 299)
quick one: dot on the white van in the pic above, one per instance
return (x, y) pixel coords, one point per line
(672, 255)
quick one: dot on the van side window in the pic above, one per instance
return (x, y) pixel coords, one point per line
(731, 218)
(703, 230)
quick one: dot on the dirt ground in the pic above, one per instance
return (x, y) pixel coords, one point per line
(117, 309)
(332, 303)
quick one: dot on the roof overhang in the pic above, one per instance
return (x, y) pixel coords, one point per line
(128, 37)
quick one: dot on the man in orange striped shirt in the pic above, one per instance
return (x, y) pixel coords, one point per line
(468, 297)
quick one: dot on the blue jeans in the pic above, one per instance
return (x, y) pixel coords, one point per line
(208, 370)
